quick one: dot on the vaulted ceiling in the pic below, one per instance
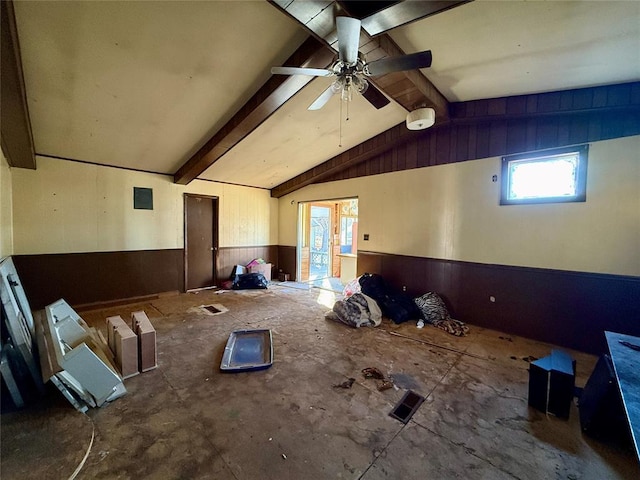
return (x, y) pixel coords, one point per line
(185, 89)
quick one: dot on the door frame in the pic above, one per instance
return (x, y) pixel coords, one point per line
(214, 235)
(302, 229)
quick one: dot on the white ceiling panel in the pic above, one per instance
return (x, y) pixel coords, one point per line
(294, 139)
(488, 49)
(143, 84)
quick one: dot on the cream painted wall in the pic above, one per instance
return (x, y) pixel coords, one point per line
(453, 212)
(6, 223)
(65, 207)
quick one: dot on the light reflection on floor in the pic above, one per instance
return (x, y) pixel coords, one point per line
(330, 288)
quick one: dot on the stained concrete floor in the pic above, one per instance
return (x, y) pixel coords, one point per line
(188, 420)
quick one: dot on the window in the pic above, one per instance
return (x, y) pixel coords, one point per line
(552, 176)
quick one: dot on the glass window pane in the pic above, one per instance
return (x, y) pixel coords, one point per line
(550, 177)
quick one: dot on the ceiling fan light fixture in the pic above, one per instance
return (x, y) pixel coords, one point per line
(360, 84)
(421, 119)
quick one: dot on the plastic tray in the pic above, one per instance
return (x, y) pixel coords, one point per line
(247, 350)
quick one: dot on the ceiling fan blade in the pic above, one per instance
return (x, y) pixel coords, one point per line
(397, 64)
(375, 97)
(324, 97)
(348, 39)
(314, 72)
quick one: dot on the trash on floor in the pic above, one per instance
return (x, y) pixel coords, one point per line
(383, 383)
(356, 311)
(256, 274)
(372, 372)
(396, 305)
(407, 406)
(248, 350)
(258, 265)
(248, 281)
(76, 359)
(346, 383)
(435, 312)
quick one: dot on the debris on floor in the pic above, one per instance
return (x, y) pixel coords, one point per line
(435, 312)
(396, 305)
(76, 359)
(346, 383)
(384, 385)
(374, 373)
(248, 350)
(356, 311)
(255, 275)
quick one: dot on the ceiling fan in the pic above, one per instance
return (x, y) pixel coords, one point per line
(351, 68)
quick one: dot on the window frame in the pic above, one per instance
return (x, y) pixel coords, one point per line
(581, 177)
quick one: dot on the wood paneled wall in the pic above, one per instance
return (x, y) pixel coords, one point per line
(228, 257)
(489, 128)
(460, 142)
(82, 278)
(570, 309)
(287, 260)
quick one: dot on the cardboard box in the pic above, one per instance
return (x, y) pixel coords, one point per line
(123, 342)
(147, 354)
(263, 268)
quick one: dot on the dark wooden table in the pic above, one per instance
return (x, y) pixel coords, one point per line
(626, 363)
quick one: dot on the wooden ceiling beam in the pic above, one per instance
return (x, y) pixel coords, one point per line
(271, 96)
(318, 17)
(15, 126)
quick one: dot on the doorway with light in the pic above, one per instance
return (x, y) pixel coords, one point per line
(327, 243)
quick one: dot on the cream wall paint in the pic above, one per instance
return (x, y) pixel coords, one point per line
(452, 212)
(6, 221)
(65, 207)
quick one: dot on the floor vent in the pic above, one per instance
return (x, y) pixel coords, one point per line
(211, 308)
(407, 406)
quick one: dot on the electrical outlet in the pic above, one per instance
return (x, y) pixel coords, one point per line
(366, 236)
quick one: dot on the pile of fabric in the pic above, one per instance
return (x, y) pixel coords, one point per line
(357, 310)
(369, 297)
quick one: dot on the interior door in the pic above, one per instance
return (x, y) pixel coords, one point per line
(200, 241)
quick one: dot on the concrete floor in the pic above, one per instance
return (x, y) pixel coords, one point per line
(187, 420)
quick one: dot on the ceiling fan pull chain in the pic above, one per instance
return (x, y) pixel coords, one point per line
(347, 117)
(340, 128)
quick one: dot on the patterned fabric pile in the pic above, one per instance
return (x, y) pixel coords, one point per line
(368, 297)
(435, 312)
(356, 311)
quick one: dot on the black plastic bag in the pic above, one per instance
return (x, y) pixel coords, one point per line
(248, 281)
(398, 306)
